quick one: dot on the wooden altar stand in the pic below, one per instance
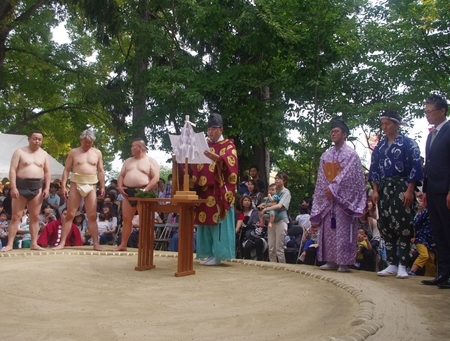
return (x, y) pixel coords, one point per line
(182, 206)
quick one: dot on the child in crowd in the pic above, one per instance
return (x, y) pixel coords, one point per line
(363, 245)
(303, 217)
(310, 238)
(271, 200)
(424, 243)
(4, 224)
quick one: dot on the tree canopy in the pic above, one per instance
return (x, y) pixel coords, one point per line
(137, 68)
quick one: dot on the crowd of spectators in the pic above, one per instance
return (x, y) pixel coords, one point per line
(53, 213)
(252, 237)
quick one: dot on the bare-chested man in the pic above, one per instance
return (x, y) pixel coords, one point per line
(139, 171)
(86, 164)
(29, 169)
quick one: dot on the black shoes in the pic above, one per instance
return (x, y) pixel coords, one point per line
(439, 280)
(444, 285)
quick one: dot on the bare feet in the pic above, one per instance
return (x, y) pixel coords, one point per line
(97, 247)
(59, 247)
(37, 248)
(6, 249)
(269, 225)
(120, 248)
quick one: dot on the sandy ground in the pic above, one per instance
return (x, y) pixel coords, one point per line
(77, 294)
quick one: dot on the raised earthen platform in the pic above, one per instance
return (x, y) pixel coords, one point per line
(79, 294)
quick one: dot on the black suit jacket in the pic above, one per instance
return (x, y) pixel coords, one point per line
(437, 163)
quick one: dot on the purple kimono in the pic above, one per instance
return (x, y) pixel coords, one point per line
(337, 241)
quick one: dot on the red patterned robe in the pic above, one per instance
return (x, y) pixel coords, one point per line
(216, 182)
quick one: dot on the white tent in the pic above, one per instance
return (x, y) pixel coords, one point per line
(9, 144)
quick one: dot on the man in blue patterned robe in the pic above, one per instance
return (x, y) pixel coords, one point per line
(394, 172)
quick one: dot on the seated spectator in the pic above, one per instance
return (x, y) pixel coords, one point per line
(7, 202)
(47, 215)
(365, 255)
(173, 245)
(303, 217)
(308, 240)
(53, 198)
(110, 200)
(134, 237)
(80, 222)
(249, 236)
(423, 239)
(109, 225)
(51, 234)
(23, 236)
(105, 229)
(370, 227)
(62, 200)
(4, 224)
(271, 200)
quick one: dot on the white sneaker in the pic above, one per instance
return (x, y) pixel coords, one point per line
(401, 273)
(212, 261)
(329, 266)
(203, 262)
(391, 270)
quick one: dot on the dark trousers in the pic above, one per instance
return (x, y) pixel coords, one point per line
(440, 227)
(256, 244)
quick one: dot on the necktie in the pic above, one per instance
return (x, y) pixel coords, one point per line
(433, 136)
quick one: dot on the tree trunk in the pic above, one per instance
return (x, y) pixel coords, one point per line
(139, 77)
(261, 152)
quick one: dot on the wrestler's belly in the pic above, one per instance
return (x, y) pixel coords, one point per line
(30, 172)
(135, 179)
(85, 169)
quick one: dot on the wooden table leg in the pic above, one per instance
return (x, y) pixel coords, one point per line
(186, 242)
(146, 236)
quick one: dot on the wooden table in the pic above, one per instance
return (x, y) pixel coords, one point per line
(185, 208)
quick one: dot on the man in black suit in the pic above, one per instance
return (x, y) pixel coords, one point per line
(436, 186)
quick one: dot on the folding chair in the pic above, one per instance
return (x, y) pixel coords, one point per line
(163, 238)
(294, 247)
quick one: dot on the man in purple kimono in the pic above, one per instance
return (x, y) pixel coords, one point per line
(339, 199)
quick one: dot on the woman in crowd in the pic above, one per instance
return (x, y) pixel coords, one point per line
(7, 202)
(370, 227)
(47, 215)
(254, 193)
(250, 237)
(81, 223)
(110, 200)
(108, 235)
(277, 232)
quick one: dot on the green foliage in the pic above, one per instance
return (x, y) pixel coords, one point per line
(145, 194)
(164, 172)
(267, 66)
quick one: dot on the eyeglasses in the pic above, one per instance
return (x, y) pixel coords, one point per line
(335, 131)
(430, 111)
